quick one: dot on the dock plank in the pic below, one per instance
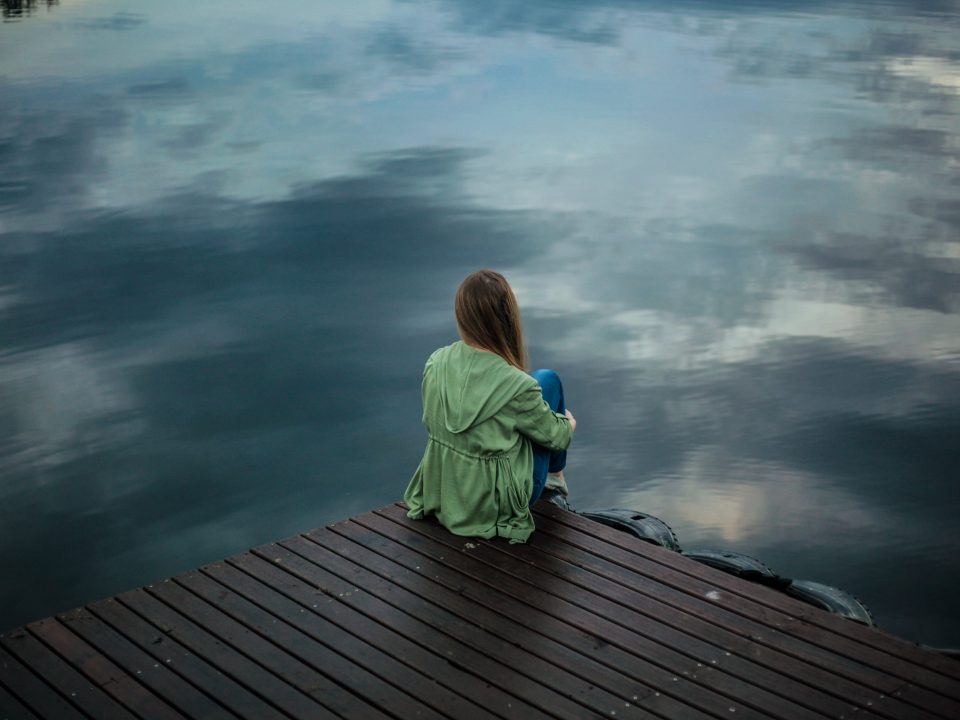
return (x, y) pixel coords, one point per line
(193, 669)
(381, 617)
(786, 624)
(284, 629)
(244, 629)
(69, 681)
(158, 678)
(230, 659)
(26, 688)
(687, 636)
(945, 675)
(13, 709)
(553, 687)
(569, 657)
(381, 602)
(110, 678)
(639, 655)
(384, 667)
(798, 676)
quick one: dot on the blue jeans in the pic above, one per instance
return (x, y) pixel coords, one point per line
(544, 459)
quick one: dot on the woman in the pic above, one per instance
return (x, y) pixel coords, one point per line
(494, 431)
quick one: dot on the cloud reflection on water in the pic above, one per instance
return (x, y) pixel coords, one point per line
(732, 229)
(220, 352)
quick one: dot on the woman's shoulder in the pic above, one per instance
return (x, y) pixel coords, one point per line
(442, 351)
(489, 365)
(514, 382)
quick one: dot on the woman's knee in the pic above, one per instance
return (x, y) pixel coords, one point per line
(548, 379)
(550, 386)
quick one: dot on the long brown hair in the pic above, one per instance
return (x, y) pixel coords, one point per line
(488, 316)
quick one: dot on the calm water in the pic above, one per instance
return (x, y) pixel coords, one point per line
(230, 233)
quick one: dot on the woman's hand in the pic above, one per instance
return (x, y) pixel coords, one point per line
(572, 419)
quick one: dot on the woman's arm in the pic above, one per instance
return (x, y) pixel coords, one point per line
(537, 421)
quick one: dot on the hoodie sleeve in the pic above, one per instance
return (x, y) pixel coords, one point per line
(537, 421)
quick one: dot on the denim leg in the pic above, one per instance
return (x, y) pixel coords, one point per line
(544, 459)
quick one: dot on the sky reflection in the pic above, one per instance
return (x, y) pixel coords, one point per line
(230, 236)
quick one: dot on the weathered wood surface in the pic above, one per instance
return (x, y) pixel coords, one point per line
(383, 617)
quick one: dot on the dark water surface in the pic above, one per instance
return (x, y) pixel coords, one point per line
(230, 233)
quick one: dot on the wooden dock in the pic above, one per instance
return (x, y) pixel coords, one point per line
(383, 617)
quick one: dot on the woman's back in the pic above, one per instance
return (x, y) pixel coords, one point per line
(482, 415)
(465, 392)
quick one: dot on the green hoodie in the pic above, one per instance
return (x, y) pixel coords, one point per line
(481, 415)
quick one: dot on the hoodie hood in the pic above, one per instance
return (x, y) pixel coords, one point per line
(473, 385)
